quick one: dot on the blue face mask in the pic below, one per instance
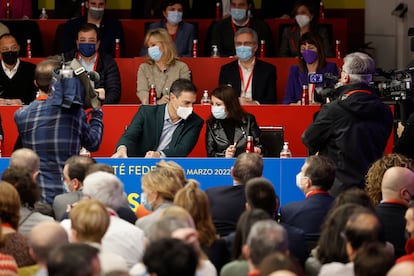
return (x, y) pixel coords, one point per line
(309, 56)
(244, 52)
(144, 202)
(218, 112)
(238, 14)
(87, 49)
(155, 53)
(174, 17)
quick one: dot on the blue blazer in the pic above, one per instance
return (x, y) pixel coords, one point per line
(183, 38)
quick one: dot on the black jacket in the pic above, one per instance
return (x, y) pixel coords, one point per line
(353, 131)
(217, 141)
(405, 144)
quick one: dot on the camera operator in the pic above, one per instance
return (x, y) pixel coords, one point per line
(354, 129)
(54, 132)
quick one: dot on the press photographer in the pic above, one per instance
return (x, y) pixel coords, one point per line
(56, 131)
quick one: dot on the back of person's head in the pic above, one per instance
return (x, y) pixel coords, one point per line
(182, 85)
(402, 269)
(173, 169)
(163, 227)
(25, 158)
(376, 172)
(331, 244)
(105, 187)
(9, 204)
(261, 194)
(162, 182)
(22, 180)
(244, 224)
(265, 237)
(354, 195)
(398, 184)
(166, 257)
(228, 95)
(321, 171)
(373, 259)
(316, 40)
(78, 165)
(279, 261)
(74, 259)
(247, 166)
(44, 237)
(179, 213)
(44, 72)
(161, 35)
(99, 167)
(89, 221)
(195, 201)
(359, 66)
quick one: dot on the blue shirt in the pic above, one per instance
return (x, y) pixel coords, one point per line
(55, 134)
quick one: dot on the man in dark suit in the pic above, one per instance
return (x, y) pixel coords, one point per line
(167, 130)
(227, 203)
(253, 79)
(314, 180)
(397, 188)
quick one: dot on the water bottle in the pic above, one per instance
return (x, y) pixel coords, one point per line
(152, 95)
(205, 99)
(195, 48)
(262, 48)
(218, 11)
(7, 11)
(249, 144)
(285, 153)
(82, 9)
(321, 10)
(43, 15)
(117, 48)
(29, 48)
(214, 51)
(338, 48)
(305, 95)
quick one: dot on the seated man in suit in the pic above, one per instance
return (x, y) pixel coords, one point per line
(314, 180)
(227, 203)
(223, 31)
(92, 58)
(16, 76)
(253, 79)
(167, 130)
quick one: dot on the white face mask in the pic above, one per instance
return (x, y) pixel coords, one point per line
(218, 111)
(302, 20)
(299, 178)
(184, 112)
(66, 187)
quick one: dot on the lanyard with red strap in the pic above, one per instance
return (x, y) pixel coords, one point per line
(316, 192)
(245, 86)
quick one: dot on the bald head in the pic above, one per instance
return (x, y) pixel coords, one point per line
(25, 158)
(402, 269)
(398, 184)
(44, 237)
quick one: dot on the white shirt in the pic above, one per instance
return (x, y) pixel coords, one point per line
(13, 71)
(246, 85)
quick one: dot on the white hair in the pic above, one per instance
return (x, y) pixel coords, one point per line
(104, 187)
(359, 66)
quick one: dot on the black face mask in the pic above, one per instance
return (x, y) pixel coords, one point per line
(10, 57)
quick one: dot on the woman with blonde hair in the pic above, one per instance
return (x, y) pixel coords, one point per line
(195, 201)
(162, 67)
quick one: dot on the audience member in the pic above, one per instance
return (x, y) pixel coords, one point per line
(88, 52)
(182, 33)
(409, 230)
(405, 134)
(29, 194)
(43, 238)
(306, 17)
(363, 227)
(229, 125)
(260, 194)
(74, 172)
(15, 243)
(376, 172)
(353, 130)
(314, 180)
(109, 29)
(312, 59)
(161, 68)
(402, 269)
(158, 190)
(239, 264)
(178, 127)
(253, 79)
(8, 265)
(37, 123)
(16, 76)
(195, 201)
(279, 262)
(74, 259)
(169, 256)
(373, 259)
(18, 9)
(227, 203)
(397, 189)
(27, 159)
(90, 221)
(223, 31)
(152, 8)
(355, 196)
(121, 238)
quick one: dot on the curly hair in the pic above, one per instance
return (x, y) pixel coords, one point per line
(375, 173)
